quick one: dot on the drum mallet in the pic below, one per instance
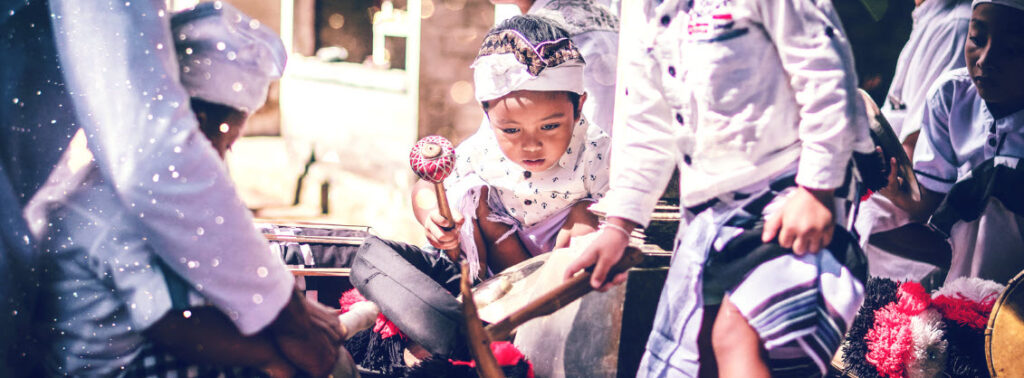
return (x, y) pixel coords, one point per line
(432, 158)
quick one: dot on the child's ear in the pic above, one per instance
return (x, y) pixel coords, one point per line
(579, 108)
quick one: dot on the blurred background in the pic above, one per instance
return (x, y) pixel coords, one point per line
(367, 78)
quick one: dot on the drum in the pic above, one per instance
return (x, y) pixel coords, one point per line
(1004, 336)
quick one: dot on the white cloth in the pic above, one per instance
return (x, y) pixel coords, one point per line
(878, 214)
(146, 144)
(1018, 4)
(225, 56)
(936, 45)
(594, 29)
(529, 198)
(958, 134)
(990, 247)
(497, 75)
(734, 92)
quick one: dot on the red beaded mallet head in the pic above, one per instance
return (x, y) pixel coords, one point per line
(432, 158)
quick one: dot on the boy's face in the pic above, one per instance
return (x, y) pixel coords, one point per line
(995, 54)
(533, 128)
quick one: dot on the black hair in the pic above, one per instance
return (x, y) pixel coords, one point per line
(574, 98)
(536, 29)
(213, 115)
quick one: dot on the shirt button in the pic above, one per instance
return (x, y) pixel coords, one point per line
(829, 32)
(672, 71)
(665, 20)
(992, 141)
(527, 174)
(528, 202)
(687, 159)
(679, 118)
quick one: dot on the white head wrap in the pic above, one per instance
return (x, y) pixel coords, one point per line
(226, 57)
(507, 62)
(1017, 4)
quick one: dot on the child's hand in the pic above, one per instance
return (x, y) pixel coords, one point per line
(602, 254)
(440, 232)
(804, 223)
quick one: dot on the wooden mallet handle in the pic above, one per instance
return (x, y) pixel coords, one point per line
(570, 290)
(433, 158)
(479, 341)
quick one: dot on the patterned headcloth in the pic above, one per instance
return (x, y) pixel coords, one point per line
(508, 62)
(225, 56)
(1017, 4)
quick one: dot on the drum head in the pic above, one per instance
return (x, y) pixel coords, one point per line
(1004, 337)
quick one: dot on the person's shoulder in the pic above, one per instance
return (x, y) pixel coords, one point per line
(951, 85)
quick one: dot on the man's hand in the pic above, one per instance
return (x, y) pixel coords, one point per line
(804, 223)
(440, 232)
(305, 339)
(605, 251)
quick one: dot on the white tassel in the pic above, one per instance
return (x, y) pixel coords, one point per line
(360, 316)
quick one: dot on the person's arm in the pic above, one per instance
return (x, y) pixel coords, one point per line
(816, 55)
(203, 335)
(118, 61)
(645, 148)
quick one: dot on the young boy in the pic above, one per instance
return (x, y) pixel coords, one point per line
(110, 303)
(971, 142)
(594, 30)
(756, 102)
(522, 185)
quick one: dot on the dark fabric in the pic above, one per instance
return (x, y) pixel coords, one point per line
(414, 288)
(968, 198)
(324, 255)
(156, 362)
(726, 269)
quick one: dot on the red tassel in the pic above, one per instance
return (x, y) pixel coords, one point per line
(383, 326)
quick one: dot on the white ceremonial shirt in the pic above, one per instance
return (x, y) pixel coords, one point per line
(526, 198)
(581, 172)
(147, 145)
(594, 30)
(936, 45)
(735, 92)
(958, 134)
(102, 285)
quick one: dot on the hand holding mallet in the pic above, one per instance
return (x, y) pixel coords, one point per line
(432, 158)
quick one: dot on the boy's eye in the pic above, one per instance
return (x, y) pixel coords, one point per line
(510, 130)
(550, 126)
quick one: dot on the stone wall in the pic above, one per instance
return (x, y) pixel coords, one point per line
(450, 35)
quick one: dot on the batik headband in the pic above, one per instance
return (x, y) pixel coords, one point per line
(1018, 4)
(507, 62)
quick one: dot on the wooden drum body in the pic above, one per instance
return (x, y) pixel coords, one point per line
(1004, 336)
